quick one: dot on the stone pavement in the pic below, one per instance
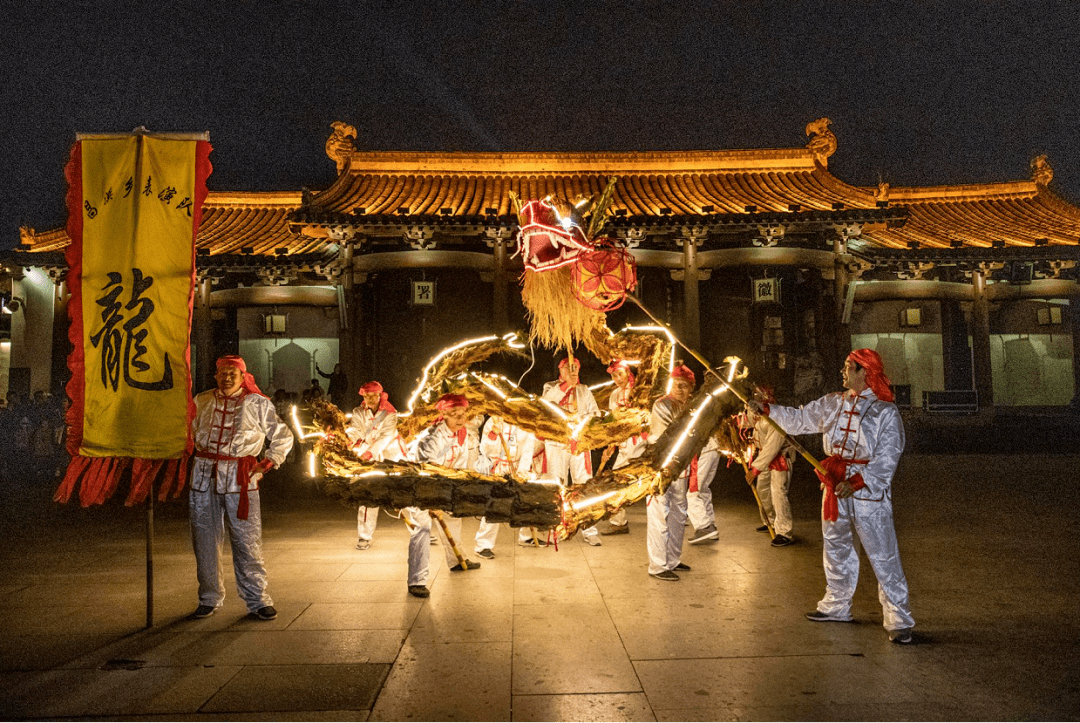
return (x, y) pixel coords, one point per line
(989, 543)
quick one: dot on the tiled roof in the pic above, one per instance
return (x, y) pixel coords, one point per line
(1017, 213)
(650, 184)
(719, 188)
(231, 223)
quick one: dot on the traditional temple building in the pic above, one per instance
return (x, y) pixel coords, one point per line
(967, 291)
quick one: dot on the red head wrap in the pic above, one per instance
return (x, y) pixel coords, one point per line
(569, 359)
(870, 360)
(247, 382)
(451, 401)
(621, 364)
(371, 388)
(683, 372)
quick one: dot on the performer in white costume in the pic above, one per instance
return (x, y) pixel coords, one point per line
(450, 443)
(770, 472)
(666, 513)
(510, 450)
(230, 428)
(863, 432)
(618, 524)
(373, 434)
(563, 461)
(699, 502)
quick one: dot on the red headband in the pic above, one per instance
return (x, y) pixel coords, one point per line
(372, 388)
(451, 401)
(870, 360)
(569, 359)
(621, 364)
(247, 381)
(683, 372)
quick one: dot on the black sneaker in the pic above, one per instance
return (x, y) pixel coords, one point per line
(203, 611)
(682, 567)
(616, 530)
(819, 617)
(533, 542)
(419, 591)
(486, 554)
(665, 575)
(266, 613)
(763, 528)
(471, 565)
(782, 541)
(901, 637)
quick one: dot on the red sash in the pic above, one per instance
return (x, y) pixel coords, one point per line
(837, 467)
(244, 465)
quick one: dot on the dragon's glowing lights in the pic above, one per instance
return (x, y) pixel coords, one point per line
(372, 473)
(593, 500)
(299, 428)
(431, 365)
(554, 407)
(710, 396)
(512, 340)
(731, 370)
(311, 464)
(489, 385)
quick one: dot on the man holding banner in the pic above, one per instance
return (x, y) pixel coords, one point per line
(231, 425)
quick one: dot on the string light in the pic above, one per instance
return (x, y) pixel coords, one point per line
(593, 500)
(431, 365)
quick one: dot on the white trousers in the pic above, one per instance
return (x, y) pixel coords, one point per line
(667, 516)
(486, 535)
(873, 521)
(699, 505)
(366, 519)
(211, 513)
(420, 542)
(772, 490)
(568, 467)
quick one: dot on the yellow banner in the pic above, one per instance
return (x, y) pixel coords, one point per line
(136, 285)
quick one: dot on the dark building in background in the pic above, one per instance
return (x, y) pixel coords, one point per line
(966, 291)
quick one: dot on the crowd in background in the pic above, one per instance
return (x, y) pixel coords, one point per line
(32, 436)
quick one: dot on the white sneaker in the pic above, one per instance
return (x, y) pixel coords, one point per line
(705, 535)
(593, 540)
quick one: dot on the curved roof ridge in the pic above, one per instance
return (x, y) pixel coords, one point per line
(253, 198)
(962, 192)
(587, 162)
(1058, 204)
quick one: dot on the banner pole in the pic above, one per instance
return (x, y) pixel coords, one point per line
(150, 559)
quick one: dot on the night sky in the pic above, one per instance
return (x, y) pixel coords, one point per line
(919, 93)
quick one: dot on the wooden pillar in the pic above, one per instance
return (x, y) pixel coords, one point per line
(980, 342)
(202, 332)
(843, 281)
(691, 321)
(497, 239)
(1074, 325)
(61, 346)
(500, 313)
(956, 354)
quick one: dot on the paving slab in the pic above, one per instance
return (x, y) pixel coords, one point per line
(300, 688)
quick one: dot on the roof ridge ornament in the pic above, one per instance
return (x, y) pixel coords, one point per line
(823, 141)
(341, 144)
(881, 195)
(1041, 172)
